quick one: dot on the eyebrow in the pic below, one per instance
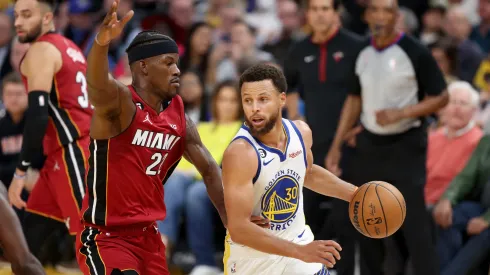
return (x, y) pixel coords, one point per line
(170, 57)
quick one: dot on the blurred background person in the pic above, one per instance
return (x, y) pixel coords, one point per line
(193, 94)
(463, 217)
(6, 34)
(450, 147)
(457, 26)
(14, 97)
(445, 52)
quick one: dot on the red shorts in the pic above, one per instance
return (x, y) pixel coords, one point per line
(135, 250)
(60, 188)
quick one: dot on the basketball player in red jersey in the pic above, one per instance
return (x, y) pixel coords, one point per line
(138, 133)
(58, 119)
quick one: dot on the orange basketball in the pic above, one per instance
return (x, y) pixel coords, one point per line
(377, 210)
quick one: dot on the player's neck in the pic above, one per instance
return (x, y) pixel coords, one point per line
(276, 137)
(322, 37)
(383, 41)
(16, 117)
(149, 97)
(51, 28)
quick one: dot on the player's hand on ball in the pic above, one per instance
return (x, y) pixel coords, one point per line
(258, 220)
(443, 213)
(112, 27)
(325, 252)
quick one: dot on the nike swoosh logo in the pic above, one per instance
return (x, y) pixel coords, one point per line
(265, 163)
(26, 163)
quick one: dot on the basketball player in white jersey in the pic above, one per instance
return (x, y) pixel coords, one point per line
(264, 170)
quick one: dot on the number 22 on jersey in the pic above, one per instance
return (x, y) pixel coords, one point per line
(158, 160)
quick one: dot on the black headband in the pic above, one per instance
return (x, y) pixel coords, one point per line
(153, 49)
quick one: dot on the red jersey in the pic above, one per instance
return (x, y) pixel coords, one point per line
(69, 109)
(127, 172)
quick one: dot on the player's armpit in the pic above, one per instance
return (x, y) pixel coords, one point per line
(197, 154)
(40, 64)
(240, 164)
(13, 242)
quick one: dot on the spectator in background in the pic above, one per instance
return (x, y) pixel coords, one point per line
(242, 48)
(445, 52)
(14, 96)
(398, 85)
(17, 52)
(176, 23)
(5, 45)
(279, 44)
(463, 215)
(469, 7)
(185, 193)
(192, 93)
(320, 70)
(210, 11)
(82, 16)
(262, 15)
(197, 49)
(457, 26)
(481, 32)
(432, 24)
(228, 15)
(407, 21)
(61, 17)
(450, 147)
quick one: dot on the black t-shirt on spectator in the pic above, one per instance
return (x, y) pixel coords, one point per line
(10, 146)
(321, 73)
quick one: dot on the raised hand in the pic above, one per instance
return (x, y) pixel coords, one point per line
(112, 27)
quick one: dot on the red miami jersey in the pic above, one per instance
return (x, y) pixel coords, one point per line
(127, 172)
(70, 111)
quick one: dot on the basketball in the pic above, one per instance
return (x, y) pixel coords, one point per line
(377, 209)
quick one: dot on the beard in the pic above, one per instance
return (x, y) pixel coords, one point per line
(32, 35)
(269, 124)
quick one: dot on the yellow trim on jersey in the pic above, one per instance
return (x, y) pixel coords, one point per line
(226, 255)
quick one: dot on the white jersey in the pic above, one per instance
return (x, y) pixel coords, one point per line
(278, 196)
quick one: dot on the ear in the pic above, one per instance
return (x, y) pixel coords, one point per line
(48, 18)
(143, 67)
(282, 98)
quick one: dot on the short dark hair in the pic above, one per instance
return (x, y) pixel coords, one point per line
(251, 29)
(265, 71)
(336, 4)
(147, 37)
(12, 77)
(450, 48)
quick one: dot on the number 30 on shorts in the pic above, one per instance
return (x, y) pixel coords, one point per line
(154, 168)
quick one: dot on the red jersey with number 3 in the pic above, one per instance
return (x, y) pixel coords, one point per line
(127, 172)
(69, 109)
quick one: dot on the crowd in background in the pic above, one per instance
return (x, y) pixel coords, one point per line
(219, 39)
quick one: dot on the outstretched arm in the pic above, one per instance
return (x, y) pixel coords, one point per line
(320, 179)
(197, 154)
(104, 92)
(13, 242)
(240, 164)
